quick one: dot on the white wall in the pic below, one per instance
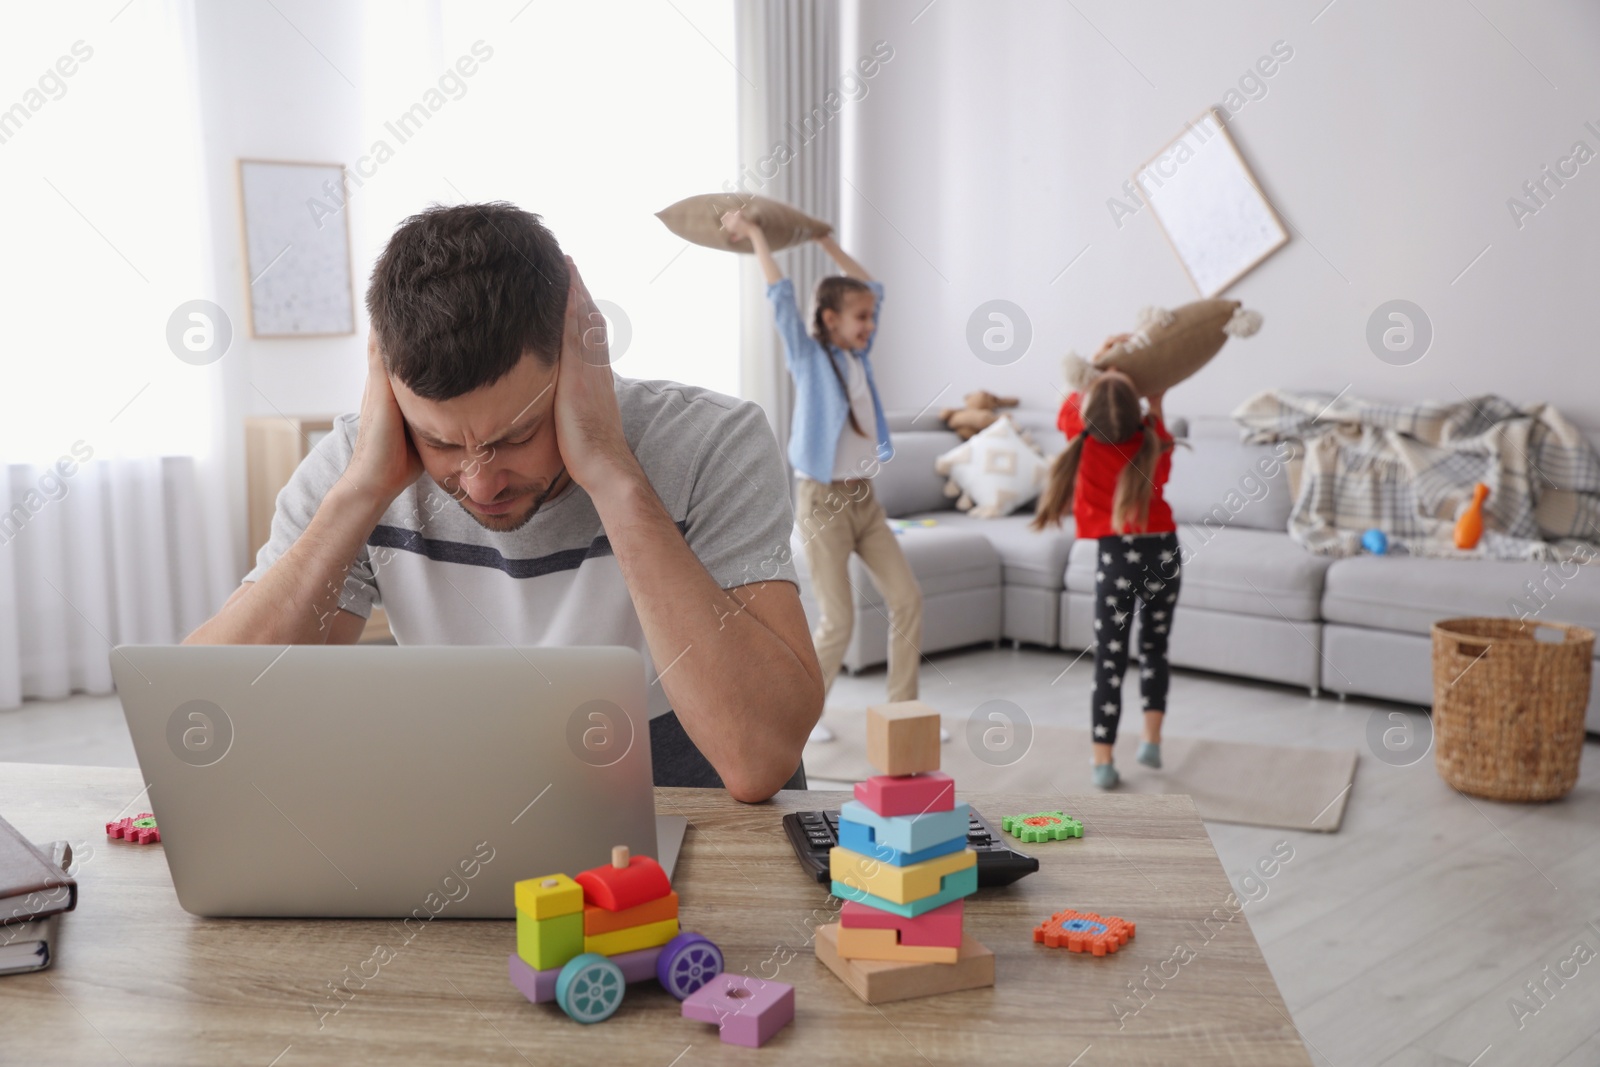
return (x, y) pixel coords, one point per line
(985, 154)
(266, 93)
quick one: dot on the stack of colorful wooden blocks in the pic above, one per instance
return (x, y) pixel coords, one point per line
(903, 870)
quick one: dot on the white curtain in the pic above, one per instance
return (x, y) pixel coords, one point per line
(788, 56)
(113, 526)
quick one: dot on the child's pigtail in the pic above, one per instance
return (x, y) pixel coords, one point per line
(1130, 504)
(1056, 500)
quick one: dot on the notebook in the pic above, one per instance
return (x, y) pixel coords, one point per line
(31, 887)
(29, 946)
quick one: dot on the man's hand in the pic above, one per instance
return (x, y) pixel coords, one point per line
(384, 460)
(588, 421)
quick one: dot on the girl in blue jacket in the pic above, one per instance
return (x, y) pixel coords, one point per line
(837, 443)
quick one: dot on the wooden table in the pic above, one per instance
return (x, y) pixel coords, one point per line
(141, 979)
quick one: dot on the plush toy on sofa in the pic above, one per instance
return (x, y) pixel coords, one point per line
(981, 411)
(1167, 346)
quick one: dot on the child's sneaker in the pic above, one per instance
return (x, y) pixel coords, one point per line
(1105, 776)
(1150, 754)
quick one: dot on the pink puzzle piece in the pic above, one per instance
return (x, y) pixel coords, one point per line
(909, 794)
(747, 1010)
(940, 927)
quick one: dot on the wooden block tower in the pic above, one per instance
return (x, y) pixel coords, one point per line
(903, 870)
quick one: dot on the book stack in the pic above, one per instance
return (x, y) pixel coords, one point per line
(34, 890)
(903, 870)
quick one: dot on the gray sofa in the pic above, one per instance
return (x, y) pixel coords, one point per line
(1254, 604)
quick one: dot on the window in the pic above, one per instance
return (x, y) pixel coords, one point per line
(105, 212)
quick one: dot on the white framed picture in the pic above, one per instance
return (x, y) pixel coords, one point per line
(297, 248)
(1209, 206)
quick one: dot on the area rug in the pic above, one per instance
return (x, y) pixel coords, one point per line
(1230, 781)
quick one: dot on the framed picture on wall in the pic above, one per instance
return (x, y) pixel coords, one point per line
(297, 248)
(1209, 205)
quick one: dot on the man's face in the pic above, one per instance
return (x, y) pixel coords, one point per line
(493, 449)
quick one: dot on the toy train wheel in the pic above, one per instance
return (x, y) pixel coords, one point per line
(590, 987)
(688, 962)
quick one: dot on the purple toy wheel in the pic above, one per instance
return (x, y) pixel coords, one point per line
(688, 962)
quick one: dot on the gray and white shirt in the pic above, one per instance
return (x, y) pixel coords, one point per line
(445, 580)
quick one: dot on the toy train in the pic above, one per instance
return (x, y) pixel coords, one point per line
(581, 940)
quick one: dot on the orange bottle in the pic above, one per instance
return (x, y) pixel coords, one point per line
(1469, 527)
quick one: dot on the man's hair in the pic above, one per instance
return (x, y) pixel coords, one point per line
(462, 293)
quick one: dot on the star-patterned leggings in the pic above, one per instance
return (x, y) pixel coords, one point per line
(1146, 567)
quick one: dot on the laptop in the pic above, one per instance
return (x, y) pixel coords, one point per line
(379, 781)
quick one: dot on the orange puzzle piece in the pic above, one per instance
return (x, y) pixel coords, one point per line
(1084, 931)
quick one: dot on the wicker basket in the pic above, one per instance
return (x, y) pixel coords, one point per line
(1508, 708)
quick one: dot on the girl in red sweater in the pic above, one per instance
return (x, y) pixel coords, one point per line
(1110, 478)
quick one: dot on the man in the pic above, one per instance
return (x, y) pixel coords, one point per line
(501, 486)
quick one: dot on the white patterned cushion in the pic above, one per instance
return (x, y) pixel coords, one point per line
(995, 473)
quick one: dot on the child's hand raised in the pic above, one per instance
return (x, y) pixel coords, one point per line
(735, 223)
(1108, 344)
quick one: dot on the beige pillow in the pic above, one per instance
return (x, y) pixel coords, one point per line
(995, 473)
(1169, 346)
(699, 219)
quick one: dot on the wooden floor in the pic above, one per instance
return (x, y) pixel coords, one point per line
(1432, 929)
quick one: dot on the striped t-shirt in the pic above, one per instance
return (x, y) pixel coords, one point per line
(445, 580)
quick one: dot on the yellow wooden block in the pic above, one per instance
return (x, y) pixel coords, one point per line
(903, 738)
(646, 935)
(854, 943)
(549, 896)
(899, 884)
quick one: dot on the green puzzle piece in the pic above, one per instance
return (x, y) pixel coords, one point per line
(145, 824)
(1042, 826)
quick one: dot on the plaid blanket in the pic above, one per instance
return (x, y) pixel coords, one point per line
(1408, 470)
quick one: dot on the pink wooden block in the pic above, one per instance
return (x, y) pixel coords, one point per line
(747, 1010)
(940, 927)
(908, 794)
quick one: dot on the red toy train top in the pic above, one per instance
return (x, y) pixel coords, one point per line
(625, 883)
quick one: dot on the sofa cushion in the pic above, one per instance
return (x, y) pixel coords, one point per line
(1246, 572)
(1410, 594)
(944, 561)
(908, 482)
(995, 473)
(1037, 560)
(1220, 481)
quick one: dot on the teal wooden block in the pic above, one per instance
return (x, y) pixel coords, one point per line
(952, 887)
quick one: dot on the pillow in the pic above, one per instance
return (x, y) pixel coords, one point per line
(1169, 346)
(995, 473)
(699, 220)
